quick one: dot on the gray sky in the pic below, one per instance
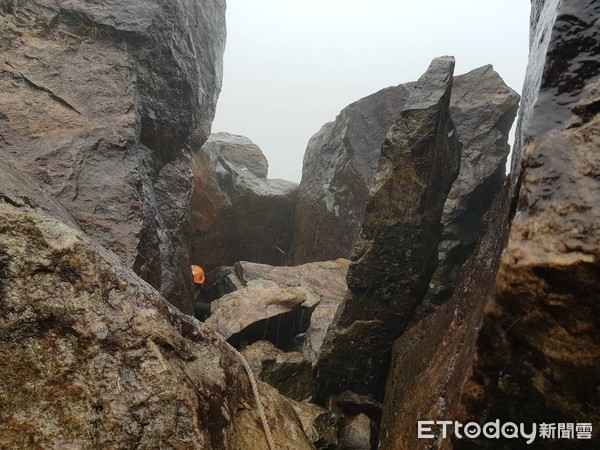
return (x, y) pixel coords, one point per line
(292, 65)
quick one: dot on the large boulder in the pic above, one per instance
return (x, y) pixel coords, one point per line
(397, 250)
(290, 306)
(99, 102)
(326, 280)
(238, 214)
(93, 356)
(338, 170)
(340, 164)
(537, 352)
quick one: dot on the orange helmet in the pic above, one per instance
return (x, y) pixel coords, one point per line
(198, 274)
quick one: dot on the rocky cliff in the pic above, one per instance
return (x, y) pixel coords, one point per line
(518, 341)
(537, 351)
(470, 296)
(100, 101)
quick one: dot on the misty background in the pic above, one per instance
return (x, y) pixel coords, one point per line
(291, 65)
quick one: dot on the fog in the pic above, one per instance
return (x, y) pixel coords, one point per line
(291, 65)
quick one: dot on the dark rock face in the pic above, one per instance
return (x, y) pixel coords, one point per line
(237, 213)
(540, 329)
(94, 357)
(355, 433)
(396, 252)
(339, 168)
(483, 109)
(99, 102)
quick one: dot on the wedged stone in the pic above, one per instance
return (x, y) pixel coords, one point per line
(99, 102)
(262, 310)
(355, 433)
(483, 109)
(237, 213)
(537, 352)
(289, 372)
(396, 253)
(339, 167)
(94, 357)
(324, 280)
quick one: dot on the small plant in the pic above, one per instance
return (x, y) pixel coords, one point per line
(83, 26)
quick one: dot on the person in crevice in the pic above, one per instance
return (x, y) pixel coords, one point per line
(201, 309)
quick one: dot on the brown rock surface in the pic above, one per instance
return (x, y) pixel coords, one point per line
(93, 357)
(262, 310)
(237, 213)
(99, 102)
(320, 425)
(527, 352)
(431, 359)
(20, 190)
(537, 352)
(397, 250)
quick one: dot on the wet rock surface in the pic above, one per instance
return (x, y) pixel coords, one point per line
(341, 161)
(266, 291)
(99, 103)
(325, 279)
(23, 191)
(97, 106)
(433, 357)
(92, 356)
(523, 348)
(537, 351)
(396, 253)
(339, 168)
(289, 372)
(237, 213)
(262, 310)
